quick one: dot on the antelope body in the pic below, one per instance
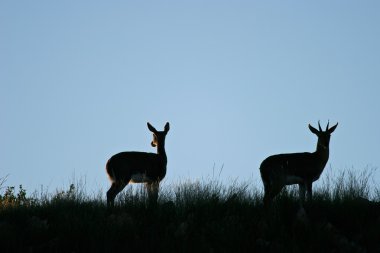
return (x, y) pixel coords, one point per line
(139, 167)
(303, 169)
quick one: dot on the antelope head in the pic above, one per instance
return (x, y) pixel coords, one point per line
(158, 136)
(323, 136)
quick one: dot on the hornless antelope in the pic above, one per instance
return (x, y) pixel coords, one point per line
(139, 167)
(297, 168)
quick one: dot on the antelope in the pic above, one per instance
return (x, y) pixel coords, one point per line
(139, 167)
(303, 169)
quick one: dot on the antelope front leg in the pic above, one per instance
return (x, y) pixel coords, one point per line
(309, 190)
(302, 192)
(152, 189)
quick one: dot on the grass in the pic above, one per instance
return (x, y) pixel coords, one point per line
(201, 216)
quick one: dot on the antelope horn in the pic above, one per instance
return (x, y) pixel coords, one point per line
(319, 125)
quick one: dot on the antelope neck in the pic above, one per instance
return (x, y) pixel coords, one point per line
(161, 151)
(322, 150)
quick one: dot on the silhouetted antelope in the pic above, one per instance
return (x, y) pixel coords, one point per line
(139, 167)
(298, 168)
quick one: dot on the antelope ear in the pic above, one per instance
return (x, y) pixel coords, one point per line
(167, 127)
(313, 130)
(332, 129)
(151, 128)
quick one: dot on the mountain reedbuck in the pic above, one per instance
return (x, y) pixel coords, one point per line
(139, 167)
(297, 168)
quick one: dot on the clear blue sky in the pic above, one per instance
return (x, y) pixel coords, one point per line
(237, 80)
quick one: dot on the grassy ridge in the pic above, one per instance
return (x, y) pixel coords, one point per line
(195, 217)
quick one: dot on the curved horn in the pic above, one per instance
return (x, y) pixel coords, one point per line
(319, 126)
(332, 128)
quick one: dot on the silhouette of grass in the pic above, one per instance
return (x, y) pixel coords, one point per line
(195, 216)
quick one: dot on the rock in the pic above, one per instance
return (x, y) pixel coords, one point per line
(182, 229)
(35, 223)
(262, 244)
(342, 243)
(301, 215)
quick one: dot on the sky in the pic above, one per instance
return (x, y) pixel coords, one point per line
(237, 80)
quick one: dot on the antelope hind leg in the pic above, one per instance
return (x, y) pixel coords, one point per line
(113, 191)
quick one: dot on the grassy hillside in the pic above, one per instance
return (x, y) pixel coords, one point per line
(194, 217)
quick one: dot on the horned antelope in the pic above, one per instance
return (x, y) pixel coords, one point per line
(303, 169)
(139, 167)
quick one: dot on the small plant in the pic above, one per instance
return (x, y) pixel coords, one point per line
(12, 199)
(70, 194)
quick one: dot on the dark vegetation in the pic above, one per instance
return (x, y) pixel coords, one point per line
(194, 217)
